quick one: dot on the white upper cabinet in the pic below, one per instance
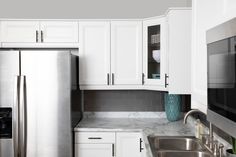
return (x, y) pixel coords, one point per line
(126, 52)
(39, 32)
(206, 15)
(179, 51)
(94, 52)
(54, 31)
(19, 31)
(110, 54)
(154, 53)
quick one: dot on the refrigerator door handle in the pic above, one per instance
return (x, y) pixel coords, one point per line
(22, 117)
(16, 117)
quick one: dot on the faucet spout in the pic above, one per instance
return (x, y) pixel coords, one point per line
(198, 111)
(190, 112)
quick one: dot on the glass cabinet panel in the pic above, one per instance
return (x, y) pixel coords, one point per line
(154, 53)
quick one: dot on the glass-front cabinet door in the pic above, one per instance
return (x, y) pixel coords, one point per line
(154, 53)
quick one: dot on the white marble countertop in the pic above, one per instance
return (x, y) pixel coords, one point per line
(147, 126)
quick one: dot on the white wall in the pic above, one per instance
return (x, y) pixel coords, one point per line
(206, 14)
(86, 8)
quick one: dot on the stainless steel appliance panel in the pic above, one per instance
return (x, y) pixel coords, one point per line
(9, 70)
(47, 92)
(221, 61)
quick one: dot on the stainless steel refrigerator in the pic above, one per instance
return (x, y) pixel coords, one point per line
(36, 85)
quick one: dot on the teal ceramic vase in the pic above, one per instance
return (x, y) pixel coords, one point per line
(172, 106)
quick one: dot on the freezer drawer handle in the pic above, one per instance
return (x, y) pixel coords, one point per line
(94, 138)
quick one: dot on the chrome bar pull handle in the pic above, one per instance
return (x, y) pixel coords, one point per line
(94, 138)
(113, 150)
(143, 78)
(166, 84)
(22, 117)
(37, 36)
(108, 79)
(140, 145)
(16, 117)
(113, 77)
(42, 37)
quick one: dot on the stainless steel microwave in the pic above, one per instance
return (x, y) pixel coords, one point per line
(221, 76)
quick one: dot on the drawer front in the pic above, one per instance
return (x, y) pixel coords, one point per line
(94, 150)
(94, 137)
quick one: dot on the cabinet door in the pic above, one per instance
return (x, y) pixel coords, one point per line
(154, 51)
(179, 51)
(128, 144)
(59, 32)
(94, 150)
(126, 52)
(19, 31)
(94, 53)
(203, 20)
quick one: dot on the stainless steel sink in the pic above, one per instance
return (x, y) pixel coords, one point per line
(183, 154)
(174, 143)
(177, 146)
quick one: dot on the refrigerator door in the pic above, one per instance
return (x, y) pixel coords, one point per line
(9, 70)
(48, 119)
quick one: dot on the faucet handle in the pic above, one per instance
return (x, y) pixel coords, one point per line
(221, 148)
(216, 152)
(205, 138)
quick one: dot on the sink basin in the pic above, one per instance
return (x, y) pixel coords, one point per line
(174, 143)
(177, 146)
(183, 154)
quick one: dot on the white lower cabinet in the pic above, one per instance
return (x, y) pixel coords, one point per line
(109, 144)
(93, 150)
(129, 144)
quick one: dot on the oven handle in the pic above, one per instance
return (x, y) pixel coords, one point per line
(16, 116)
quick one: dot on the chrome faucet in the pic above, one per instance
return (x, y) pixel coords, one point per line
(211, 145)
(198, 111)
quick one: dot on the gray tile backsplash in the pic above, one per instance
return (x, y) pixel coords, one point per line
(128, 101)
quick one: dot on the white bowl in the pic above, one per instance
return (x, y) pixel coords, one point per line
(156, 55)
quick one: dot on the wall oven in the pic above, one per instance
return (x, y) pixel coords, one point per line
(221, 61)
